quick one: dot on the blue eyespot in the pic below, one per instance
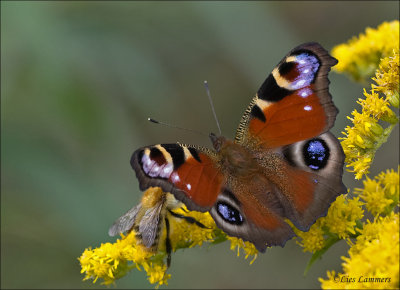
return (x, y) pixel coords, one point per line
(307, 68)
(316, 154)
(229, 214)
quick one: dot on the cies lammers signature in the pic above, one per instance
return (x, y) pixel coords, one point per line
(361, 279)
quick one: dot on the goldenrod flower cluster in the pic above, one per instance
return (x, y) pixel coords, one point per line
(186, 235)
(381, 194)
(376, 121)
(248, 248)
(361, 55)
(373, 261)
(112, 261)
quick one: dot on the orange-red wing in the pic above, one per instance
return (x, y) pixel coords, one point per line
(200, 181)
(293, 103)
(188, 173)
(299, 188)
(292, 119)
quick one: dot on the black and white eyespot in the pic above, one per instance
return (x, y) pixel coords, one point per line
(229, 213)
(156, 162)
(227, 209)
(319, 154)
(316, 153)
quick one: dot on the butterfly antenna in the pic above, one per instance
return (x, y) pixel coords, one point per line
(174, 126)
(212, 106)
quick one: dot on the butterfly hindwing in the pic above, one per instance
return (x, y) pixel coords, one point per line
(311, 178)
(252, 212)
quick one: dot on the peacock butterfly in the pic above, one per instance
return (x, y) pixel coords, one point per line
(283, 163)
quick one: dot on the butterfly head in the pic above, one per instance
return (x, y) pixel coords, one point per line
(217, 141)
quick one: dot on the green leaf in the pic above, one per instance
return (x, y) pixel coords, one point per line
(318, 254)
(220, 237)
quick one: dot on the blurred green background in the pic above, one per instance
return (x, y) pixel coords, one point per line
(79, 79)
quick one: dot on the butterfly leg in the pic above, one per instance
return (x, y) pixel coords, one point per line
(188, 219)
(184, 209)
(168, 247)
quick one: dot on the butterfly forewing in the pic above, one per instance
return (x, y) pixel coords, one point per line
(190, 173)
(293, 103)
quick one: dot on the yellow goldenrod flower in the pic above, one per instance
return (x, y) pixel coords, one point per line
(373, 261)
(112, 261)
(377, 49)
(387, 78)
(366, 136)
(381, 194)
(313, 240)
(157, 273)
(248, 248)
(390, 181)
(186, 235)
(343, 215)
(360, 57)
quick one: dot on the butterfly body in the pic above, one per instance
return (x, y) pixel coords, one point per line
(234, 159)
(283, 163)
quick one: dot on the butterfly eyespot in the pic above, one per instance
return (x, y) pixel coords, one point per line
(316, 154)
(286, 67)
(229, 213)
(305, 66)
(155, 164)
